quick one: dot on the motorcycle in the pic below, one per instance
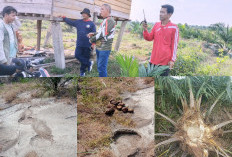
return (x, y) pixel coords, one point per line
(27, 68)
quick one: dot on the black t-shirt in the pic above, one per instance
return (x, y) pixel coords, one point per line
(7, 70)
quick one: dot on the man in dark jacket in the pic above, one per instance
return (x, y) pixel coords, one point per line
(17, 66)
(7, 69)
(83, 46)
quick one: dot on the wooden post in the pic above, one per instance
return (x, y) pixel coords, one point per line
(122, 29)
(48, 36)
(58, 44)
(95, 17)
(39, 27)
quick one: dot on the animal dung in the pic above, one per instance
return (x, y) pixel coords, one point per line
(122, 104)
(119, 108)
(131, 110)
(117, 105)
(110, 106)
(110, 112)
(114, 102)
(125, 109)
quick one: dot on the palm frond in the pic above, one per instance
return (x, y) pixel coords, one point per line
(151, 70)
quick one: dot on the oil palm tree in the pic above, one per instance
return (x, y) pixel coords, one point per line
(193, 133)
(151, 70)
(224, 34)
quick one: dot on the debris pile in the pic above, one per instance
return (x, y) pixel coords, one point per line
(117, 105)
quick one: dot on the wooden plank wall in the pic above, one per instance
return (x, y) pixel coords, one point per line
(69, 8)
(72, 8)
(120, 8)
(29, 6)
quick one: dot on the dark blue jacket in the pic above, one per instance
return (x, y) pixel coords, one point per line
(83, 29)
(7, 69)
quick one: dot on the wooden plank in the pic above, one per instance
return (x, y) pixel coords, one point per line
(30, 1)
(52, 64)
(33, 18)
(119, 40)
(72, 8)
(116, 8)
(125, 2)
(95, 17)
(73, 14)
(116, 3)
(48, 36)
(39, 27)
(58, 45)
(29, 8)
(73, 5)
(87, 1)
(114, 13)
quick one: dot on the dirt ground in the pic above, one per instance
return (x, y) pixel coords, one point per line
(37, 127)
(141, 143)
(119, 135)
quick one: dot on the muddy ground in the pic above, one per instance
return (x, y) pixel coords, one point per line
(137, 141)
(38, 127)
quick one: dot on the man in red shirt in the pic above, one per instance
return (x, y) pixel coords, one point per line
(166, 37)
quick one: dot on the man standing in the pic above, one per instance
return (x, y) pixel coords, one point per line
(83, 46)
(104, 39)
(8, 40)
(166, 36)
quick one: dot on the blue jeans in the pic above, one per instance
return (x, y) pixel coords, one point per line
(102, 62)
(83, 55)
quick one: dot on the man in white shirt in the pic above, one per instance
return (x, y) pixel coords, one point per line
(8, 40)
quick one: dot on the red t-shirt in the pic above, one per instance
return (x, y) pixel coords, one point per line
(165, 45)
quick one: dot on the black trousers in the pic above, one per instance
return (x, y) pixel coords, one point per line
(165, 73)
(7, 70)
(83, 55)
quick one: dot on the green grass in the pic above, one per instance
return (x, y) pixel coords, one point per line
(56, 70)
(113, 69)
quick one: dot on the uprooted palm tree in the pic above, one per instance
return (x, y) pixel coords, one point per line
(193, 132)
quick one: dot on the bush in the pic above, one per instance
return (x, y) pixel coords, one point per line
(137, 28)
(129, 66)
(182, 44)
(187, 63)
(212, 70)
(54, 85)
(208, 70)
(151, 70)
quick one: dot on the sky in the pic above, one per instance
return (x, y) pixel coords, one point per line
(192, 12)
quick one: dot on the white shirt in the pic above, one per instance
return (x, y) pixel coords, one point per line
(13, 49)
(10, 31)
(2, 53)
